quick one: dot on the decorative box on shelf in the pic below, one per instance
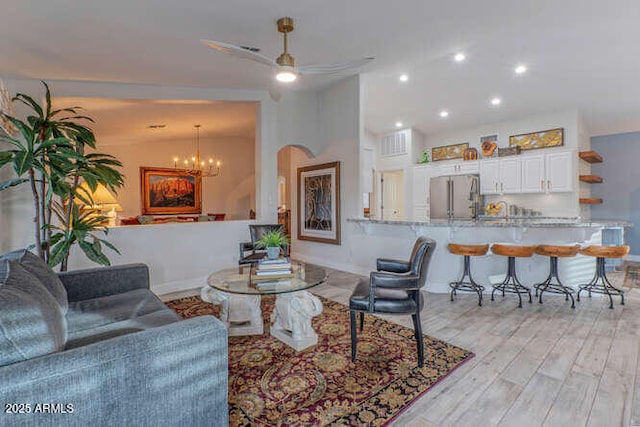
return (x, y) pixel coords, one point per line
(508, 151)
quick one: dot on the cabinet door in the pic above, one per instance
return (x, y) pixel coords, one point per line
(421, 176)
(533, 176)
(489, 176)
(469, 167)
(445, 170)
(510, 176)
(560, 172)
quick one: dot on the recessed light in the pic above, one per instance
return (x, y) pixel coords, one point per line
(398, 124)
(444, 113)
(404, 78)
(459, 57)
(496, 101)
(520, 69)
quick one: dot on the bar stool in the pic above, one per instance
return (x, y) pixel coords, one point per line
(554, 252)
(604, 287)
(511, 283)
(470, 285)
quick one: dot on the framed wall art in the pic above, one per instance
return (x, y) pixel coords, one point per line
(319, 203)
(170, 191)
(542, 139)
(448, 152)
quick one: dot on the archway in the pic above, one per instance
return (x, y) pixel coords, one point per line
(290, 158)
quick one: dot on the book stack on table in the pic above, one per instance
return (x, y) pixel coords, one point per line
(272, 269)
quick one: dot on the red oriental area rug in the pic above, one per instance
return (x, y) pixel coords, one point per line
(270, 384)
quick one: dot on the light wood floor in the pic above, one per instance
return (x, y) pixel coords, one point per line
(544, 364)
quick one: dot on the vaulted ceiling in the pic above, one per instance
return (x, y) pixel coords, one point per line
(579, 53)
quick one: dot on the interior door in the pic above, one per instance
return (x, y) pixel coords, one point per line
(393, 195)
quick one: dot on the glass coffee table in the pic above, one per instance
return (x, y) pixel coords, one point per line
(239, 298)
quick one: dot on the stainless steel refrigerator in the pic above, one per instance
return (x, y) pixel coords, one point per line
(454, 197)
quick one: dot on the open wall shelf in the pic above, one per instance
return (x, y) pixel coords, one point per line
(592, 179)
(590, 156)
(590, 201)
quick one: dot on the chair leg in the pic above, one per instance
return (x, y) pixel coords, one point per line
(353, 335)
(417, 325)
(361, 321)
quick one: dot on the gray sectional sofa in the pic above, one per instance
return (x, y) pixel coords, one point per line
(97, 348)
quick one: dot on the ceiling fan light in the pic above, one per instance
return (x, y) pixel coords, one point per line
(286, 74)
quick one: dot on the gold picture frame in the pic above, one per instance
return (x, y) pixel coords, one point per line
(535, 140)
(447, 152)
(319, 203)
(170, 191)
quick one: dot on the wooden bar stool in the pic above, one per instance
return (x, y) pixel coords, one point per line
(467, 285)
(600, 284)
(554, 252)
(511, 283)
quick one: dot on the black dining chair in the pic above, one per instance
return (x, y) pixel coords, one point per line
(249, 253)
(394, 289)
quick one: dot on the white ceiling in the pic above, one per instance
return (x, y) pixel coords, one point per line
(580, 53)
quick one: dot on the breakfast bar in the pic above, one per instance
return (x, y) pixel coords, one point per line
(393, 239)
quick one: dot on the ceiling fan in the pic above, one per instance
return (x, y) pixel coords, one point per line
(285, 64)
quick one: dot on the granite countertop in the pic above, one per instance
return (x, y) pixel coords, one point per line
(537, 222)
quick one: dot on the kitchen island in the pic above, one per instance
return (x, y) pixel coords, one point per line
(394, 239)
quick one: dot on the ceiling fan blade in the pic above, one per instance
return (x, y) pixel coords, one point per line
(238, 51)
(333, 68)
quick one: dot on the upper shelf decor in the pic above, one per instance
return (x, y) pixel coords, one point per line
(170, 191)
(541, 139)
(448, 152)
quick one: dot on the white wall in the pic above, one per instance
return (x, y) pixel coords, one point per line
(232, 192)
(339, 132)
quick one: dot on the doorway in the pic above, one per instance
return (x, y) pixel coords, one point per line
(392, 200)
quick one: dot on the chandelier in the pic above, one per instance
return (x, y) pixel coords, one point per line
(196, 164)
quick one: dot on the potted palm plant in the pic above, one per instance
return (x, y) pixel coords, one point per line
(273, 240)
(49, 152)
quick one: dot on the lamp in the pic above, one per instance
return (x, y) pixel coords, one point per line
(103, 200)
(197, 164)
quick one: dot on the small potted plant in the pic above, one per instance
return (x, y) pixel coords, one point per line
(273, 240)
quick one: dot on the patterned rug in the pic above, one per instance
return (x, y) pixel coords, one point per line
(632, 274)
(270, 384)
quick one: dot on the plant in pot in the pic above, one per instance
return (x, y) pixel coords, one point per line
(273, 240)
(49, 153)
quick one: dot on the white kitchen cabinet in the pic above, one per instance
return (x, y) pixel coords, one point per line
(533, 174)
(560, 171)
(551, 172)
(421, 176)
(460, 168)
(500, 176)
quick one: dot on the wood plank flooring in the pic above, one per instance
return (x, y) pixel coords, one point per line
(542, 365)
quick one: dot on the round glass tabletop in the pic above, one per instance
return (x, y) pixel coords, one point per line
(243, 280)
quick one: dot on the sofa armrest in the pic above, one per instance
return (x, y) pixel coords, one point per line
(172, 375)
(103, 281)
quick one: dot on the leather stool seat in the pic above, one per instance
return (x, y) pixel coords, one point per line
(600, 283)
(511, 283)
(461, 284)
(554, 252)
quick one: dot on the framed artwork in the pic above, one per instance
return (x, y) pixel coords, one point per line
(319, 203)
(447, 152)
(6, 107)
(170, 191)
(542, 139)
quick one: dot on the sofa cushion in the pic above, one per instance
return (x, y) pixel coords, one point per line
(36, 266)
(152, 320)
(96, 312)
(31, 322)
